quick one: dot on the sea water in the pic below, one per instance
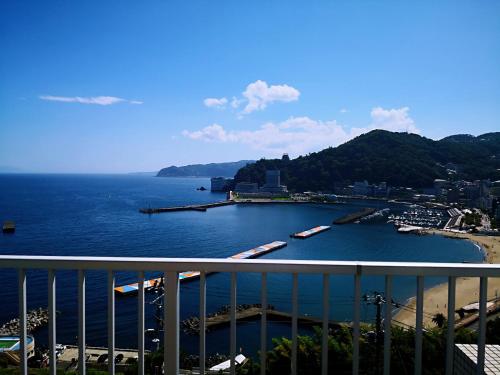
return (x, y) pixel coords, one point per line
(98, 215)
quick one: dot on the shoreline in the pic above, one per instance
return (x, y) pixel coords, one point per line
(467, 289)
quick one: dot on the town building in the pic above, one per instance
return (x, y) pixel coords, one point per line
(220, 183)
(362, 188)
(273, 183)
(246, 187)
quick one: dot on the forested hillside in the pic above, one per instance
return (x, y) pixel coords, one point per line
(400, 159)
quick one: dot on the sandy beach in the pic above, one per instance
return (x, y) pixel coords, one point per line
(436, 298)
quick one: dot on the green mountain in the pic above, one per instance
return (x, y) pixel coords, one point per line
(400, 159)
(205, 170)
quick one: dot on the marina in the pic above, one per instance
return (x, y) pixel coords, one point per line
(191, 275)
(310, 232)
(420, 217)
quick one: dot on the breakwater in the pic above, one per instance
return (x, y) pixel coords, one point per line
(35, 319)
(192, 207)
(246, 312)
(352, 217)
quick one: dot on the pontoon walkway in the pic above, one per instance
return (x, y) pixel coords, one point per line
(191, 275)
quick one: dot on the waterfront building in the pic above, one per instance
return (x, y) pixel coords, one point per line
(273, 183)
(362, 188)
(220, 183)
(440, 187)
(273, 178)
(246, 187)
(453, 195)
(381, 190)
(497, 209)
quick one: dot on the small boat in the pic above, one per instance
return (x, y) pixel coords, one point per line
(9, 227)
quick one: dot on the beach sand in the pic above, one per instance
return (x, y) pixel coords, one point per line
(467, 289)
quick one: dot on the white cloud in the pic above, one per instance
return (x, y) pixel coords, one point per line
(395, 120)
(300, 135)
(296, 135)
(235, 102)
(212, 133)
(215, 103)
(99, 100)
(259, 95)
(343, 110)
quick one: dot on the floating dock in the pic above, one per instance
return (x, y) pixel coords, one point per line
(191, 275)
(193, 207)
(258, 251)
(310, 232)
(354, 216)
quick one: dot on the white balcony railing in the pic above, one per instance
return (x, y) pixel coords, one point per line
(173, 266)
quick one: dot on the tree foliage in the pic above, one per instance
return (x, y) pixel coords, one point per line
(340, 352)
(400, 159)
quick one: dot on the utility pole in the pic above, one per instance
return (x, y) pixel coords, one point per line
(377, 299)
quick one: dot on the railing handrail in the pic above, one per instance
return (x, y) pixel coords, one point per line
(170, 267)
(249, 265)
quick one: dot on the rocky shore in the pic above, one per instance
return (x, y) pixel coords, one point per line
(35, 319)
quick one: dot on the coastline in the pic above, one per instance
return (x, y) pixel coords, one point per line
(467, 289)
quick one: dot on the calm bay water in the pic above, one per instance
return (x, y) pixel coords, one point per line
(97, 215)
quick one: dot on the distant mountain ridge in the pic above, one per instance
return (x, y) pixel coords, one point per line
(228, 169)
(400, 159)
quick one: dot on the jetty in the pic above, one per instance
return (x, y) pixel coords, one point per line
(8, 227)
(192, 275)
(192, 207)
(350, 218)
(310, 232)
(246, 313)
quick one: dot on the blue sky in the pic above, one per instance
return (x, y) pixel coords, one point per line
(119, 86)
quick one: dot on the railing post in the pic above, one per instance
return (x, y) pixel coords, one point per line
(355, 323)
(295, 313)
(23, 332)
(481, 340)
(232, 329)
(263, 324)
(171, 323)
(450, 340)
(81, 323)
(387, 325)
(203, 315)
(326, 320)
(111, 322)
(52, 323)
(140, 325)
(419, 325)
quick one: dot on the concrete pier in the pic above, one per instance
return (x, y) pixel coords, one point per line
(194, 207)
